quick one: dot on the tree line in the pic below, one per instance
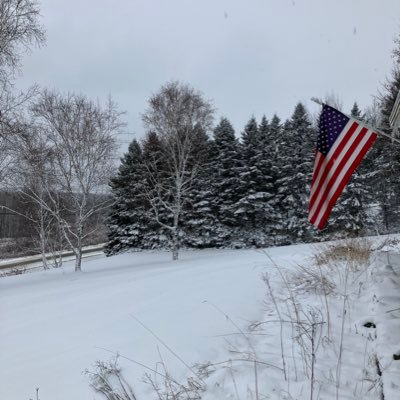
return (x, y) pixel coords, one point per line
(188, 185)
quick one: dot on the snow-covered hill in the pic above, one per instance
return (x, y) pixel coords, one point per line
(56, 324)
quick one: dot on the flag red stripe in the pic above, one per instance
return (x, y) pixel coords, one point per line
(346, 179)
(329, 162)
(328, 183)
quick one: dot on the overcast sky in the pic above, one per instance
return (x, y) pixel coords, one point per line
(248, 56)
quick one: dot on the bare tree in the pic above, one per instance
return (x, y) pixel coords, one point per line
(81, 137)
(373, 114)
(31, 177)
(177, 114)
(20, 30)
(334, 100)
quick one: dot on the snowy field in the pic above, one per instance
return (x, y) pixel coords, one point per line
(210, 306)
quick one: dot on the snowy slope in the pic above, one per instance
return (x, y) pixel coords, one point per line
(55, 324)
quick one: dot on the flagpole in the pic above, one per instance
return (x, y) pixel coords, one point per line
(318, 101)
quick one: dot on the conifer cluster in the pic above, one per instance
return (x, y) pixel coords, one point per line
(251, 191)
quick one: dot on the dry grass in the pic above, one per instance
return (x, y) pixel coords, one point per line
(311, 279)
(108, 380)
(355, 251)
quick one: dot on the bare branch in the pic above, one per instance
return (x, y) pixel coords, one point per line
(174, 118)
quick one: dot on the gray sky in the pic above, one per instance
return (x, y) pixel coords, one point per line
(250, 57)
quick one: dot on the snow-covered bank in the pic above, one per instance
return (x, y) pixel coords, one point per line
(55, 324)
(330, 331)
(387, 311)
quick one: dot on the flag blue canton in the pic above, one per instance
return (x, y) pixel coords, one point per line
(331, 124)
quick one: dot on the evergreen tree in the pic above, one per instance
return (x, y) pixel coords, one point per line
(359, 191)
(356, 112)
(255, 208)
(199, 221)
(154, 236)
(127, 223)
(386, 156)
(264, 131)
(226, 166)
(273, 139)
(295, 163)
(249, 175)
(250, 138)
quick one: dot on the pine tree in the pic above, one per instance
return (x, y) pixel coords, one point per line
(356, 112)
(154, 236)
(226, 167)
(254, 209)
(274, 143)
(249, 176)
(386, 156)
(250, 138)
(127, 221)
(295, 162)
(264, 130)
(359, 192)
(199, 221)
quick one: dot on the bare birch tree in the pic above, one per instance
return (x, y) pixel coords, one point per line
(176, 114)
(81, 136)
(20, 31)
(31, 177)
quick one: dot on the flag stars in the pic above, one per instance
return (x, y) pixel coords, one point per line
(331, 124)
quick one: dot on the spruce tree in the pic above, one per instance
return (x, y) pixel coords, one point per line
(250, 138)
(127, 223)
(226, 167)
(359, 191)
(264, 130)
(154, 236)
(199, 221)
(295, 162)
(356, 112)
(249, 175)
(387, 155)
(255, 207)
(275, 150)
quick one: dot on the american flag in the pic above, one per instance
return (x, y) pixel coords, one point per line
(341, 145)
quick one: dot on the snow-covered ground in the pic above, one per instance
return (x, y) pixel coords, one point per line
(56, 324)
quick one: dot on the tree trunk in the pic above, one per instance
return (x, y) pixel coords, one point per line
(43, 250)
(42, 239)
(175, 244)
(78, 260)
(78, 254)
(44, 260)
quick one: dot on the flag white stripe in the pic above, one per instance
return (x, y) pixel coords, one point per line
(322, 188)
(330, 154)
(342, 174)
